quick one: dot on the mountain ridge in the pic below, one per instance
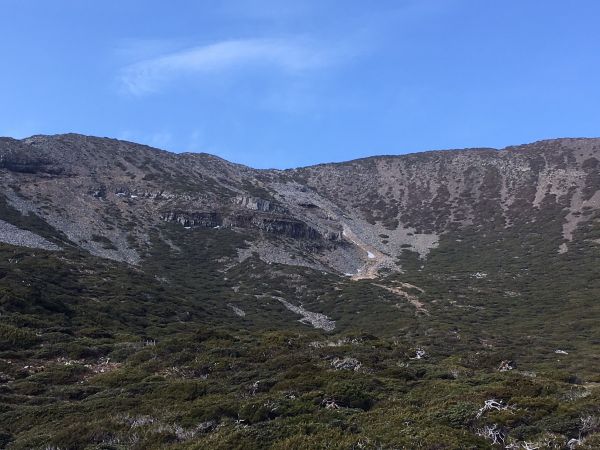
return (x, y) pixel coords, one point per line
(413, 199)
(507, 148)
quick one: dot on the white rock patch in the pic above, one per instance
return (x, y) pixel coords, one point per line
(317, 320)
(238, 311)
(16, 236)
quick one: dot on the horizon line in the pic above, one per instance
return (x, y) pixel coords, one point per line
(389, 155)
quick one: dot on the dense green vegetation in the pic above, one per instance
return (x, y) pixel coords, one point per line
(100, 355)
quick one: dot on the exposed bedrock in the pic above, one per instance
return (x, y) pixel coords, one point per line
(285, 226)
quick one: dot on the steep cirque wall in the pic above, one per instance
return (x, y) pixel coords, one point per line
(109, 196)
(409, 201)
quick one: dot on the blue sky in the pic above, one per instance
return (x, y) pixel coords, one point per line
(287, 83)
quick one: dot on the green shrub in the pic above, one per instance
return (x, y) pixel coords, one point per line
(13, 338)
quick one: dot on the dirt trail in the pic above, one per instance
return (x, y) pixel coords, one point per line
(375, 259)
(412, 299)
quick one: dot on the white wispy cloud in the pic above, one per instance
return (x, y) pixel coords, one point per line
(291, 56)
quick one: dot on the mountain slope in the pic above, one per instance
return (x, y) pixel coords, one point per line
(156, 300)
(106, 196)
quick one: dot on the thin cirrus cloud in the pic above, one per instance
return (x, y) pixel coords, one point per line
(289, 56)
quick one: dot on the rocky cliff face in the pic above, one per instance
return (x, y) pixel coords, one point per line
(109, 197)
